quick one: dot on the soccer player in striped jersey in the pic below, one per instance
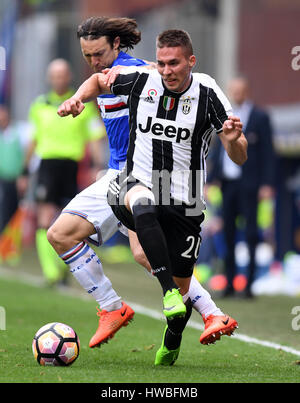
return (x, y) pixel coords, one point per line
(101, 41)
(172, 116)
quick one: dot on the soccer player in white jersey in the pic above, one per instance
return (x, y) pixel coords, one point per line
(88, 215)
(163, 140)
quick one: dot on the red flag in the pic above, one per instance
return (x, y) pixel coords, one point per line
(11, 237)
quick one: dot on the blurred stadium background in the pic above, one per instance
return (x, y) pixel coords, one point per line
(257, 38)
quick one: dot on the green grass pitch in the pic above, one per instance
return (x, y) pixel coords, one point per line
(129, 356)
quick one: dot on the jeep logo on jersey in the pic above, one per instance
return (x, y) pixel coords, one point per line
(170, 132)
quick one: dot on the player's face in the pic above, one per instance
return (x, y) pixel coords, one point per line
(175, 67)
(99, 53)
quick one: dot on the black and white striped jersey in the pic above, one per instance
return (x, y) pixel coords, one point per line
(170, 132)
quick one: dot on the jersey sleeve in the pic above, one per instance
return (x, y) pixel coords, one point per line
(217, 110)
(219, 107)
(125, 81)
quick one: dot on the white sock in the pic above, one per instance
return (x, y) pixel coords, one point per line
(86, 267)
(201, 299)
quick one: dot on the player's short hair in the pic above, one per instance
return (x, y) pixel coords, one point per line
(124, 28)
(173, 38)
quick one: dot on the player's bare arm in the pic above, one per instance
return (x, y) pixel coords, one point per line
(89, 90)
(234, 140)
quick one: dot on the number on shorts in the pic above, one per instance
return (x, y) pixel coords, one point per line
(193, 247)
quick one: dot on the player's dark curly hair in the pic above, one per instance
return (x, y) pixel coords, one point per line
(173, 38)
(124, 28)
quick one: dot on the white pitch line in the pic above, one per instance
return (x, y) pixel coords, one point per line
(237, 336)
(38, 281)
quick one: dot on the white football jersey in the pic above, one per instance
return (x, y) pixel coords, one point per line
(170, 132)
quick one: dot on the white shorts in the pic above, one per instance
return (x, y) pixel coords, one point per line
(92, 205)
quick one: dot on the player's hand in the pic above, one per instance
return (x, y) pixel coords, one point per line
(111, 74)
(71, 106)
(232, 128)
(150, 65)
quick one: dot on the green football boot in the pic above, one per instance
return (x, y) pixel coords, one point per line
(165, 356)
(173, 304)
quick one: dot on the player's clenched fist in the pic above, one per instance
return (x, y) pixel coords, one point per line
(232, 128)
(71, 106)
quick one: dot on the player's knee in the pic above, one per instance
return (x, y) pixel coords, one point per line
(143, 208)
(55, 236)
(60, 237)
(142, 199)
(143, 216)
(67, 231)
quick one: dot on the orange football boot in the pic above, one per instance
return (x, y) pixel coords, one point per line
(217, 326)
(110, 323)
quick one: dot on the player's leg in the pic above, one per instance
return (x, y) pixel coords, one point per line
(137, 251)
(216, 323)
(169, 350)
(141, 203)
(89, 216)
(67, 236)
(183, 244)
(200, 298)
(175, 229)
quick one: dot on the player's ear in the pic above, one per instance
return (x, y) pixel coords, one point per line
(192, 61)
(116, 43)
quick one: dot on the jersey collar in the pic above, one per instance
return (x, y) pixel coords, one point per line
(176, 94)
